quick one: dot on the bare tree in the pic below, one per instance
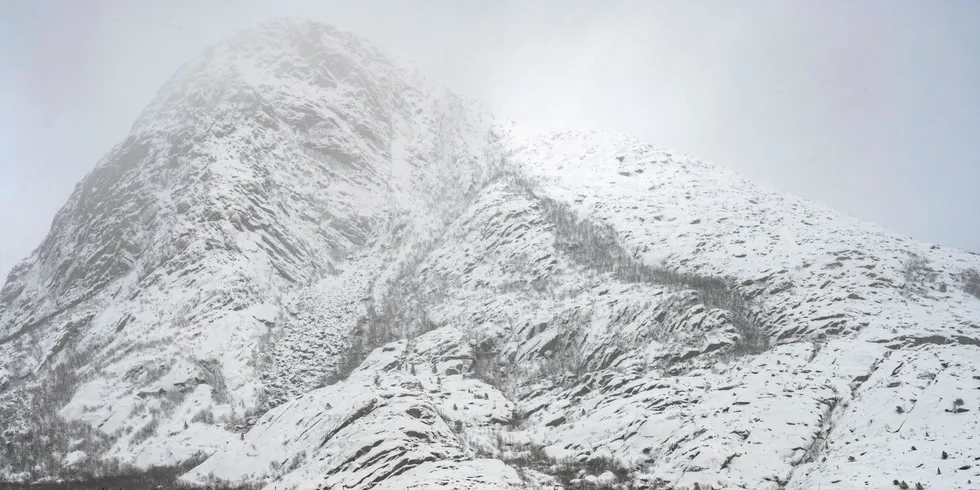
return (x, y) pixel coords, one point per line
(971, 282)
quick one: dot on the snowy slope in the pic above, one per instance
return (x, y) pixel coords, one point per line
(252, 175)
(789, 417)
(307, 268)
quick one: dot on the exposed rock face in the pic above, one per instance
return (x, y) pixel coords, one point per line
(308, 268)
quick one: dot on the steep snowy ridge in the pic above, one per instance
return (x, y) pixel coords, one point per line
(752, 422)
(308, 268)
(240, 184)
(705, 218)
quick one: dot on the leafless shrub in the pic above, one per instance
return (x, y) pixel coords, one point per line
(295, 462)
(512, 287)
(568, 471)
(211, 371)
(544, 285)
(138, 408)
(170, 400)
(401, 313)
(751, 339)
(485, 365)
(493, 154)
(279, 469)
(145, 432)
(517, 417)
(595, 246)
(111, 473)
(37, 433)
(205, 416)
(566, 361)
(917, 274)
(971, 282)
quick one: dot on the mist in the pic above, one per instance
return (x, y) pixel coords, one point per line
(871, 108)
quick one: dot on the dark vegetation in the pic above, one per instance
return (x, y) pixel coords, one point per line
(401, 312)
(595, 245)
(971, 282)
(569, 472)
(918, 275)
(34, 446)
(126, 478)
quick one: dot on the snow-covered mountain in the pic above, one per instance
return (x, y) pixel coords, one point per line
(307, 267)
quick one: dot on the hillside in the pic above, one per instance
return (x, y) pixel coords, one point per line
(307, 267)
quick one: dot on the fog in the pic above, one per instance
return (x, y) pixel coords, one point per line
(872, 108)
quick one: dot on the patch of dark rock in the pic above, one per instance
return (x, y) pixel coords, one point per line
(728, 460)
(744, 434)
(548, 346)
(788, 333)
(146, 394)
(624, 174)
(360, 452)
(963, 340)
(534, 410)
(361, 412)
(417, 435)
(834, 328)
(556, 422)
(401, 467)
(907, 341)
(829, 317)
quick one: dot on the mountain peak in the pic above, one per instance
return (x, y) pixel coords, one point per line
(284, 57)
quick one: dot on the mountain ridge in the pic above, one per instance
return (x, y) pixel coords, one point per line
(306, 267)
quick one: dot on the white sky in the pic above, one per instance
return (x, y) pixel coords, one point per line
(870, 107)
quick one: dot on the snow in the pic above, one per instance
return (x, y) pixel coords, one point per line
(205, 279)
(74, 458)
